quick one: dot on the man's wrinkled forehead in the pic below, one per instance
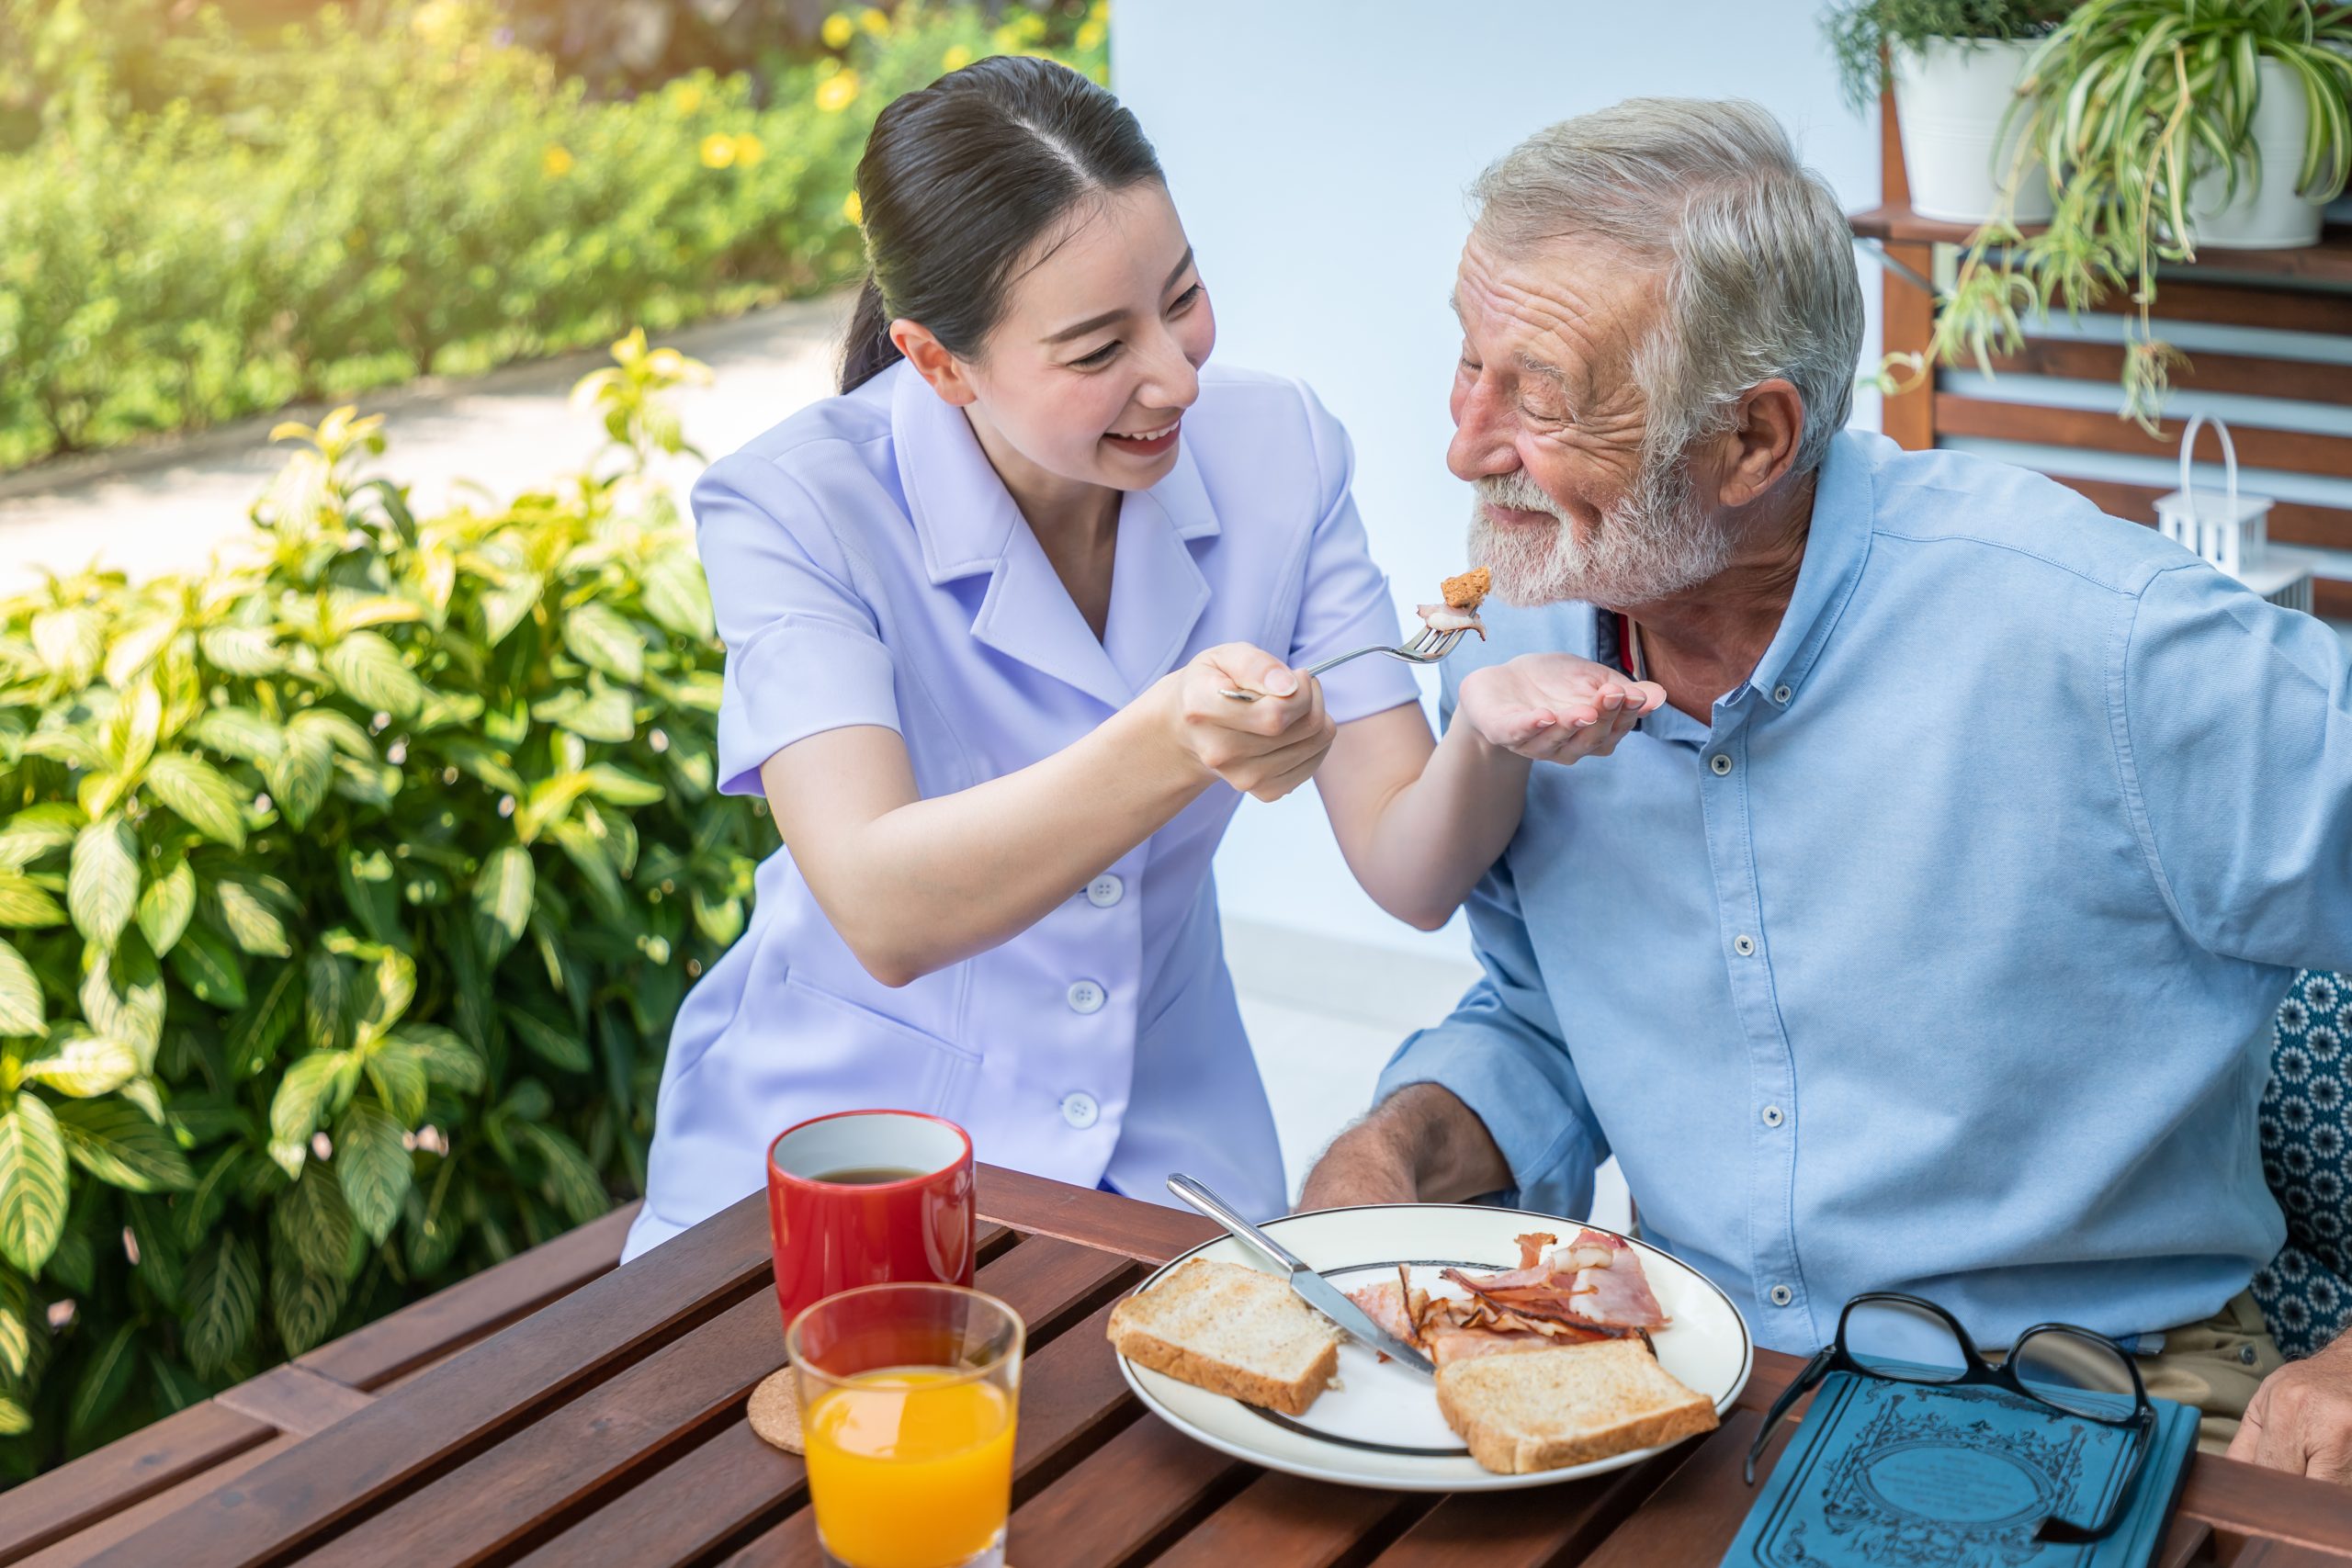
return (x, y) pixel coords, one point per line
(1567, 307)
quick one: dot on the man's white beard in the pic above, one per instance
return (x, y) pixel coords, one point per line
(1656, 540)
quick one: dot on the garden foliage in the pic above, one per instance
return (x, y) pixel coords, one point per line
(346, 895)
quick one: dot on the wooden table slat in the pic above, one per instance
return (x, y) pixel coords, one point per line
(473, 1308)
(1694, 1514)
(665, 1403)
(294, 1399)
(122, 1473)
(438, 1419)
(1297, 1523)
(1529, 1528)
(1035, 1205)
(1111, 1506)
(2235, 1498)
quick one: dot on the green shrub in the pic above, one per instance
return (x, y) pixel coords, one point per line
(361, 205)
(346, 895)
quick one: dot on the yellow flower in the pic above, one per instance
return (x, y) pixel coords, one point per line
(874, 21)
(1092, 33)
(853, 209)
(837, 31)
(718, 152)
(556, 162)
(956, 59)
(837, 92)
(749, 150)
(689, 98)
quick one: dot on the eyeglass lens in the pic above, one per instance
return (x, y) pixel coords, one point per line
(2082, 1375)
(1896, 1340)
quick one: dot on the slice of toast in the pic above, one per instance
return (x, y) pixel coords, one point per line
(1231, 1330)
(1543, 1409)
(1468, 591)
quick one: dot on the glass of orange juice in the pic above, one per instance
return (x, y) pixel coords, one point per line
(907, 1397)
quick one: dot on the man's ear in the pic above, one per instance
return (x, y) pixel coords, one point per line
(933, 361)
(1762, 443)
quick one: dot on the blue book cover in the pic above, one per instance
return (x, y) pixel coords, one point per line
(1906, 1475)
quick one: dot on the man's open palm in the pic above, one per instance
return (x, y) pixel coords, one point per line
(1553, 707)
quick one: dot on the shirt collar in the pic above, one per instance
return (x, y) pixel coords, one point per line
(967, 525)
(1838, 543)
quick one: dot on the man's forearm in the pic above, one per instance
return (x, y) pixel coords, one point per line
(1441, 1141)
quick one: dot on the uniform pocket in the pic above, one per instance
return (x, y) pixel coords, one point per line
(847, 1057)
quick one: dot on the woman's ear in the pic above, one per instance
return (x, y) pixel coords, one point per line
(933, 361)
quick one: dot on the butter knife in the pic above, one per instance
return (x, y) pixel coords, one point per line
(1312, 1289)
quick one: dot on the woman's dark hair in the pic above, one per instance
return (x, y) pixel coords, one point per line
(959, 180)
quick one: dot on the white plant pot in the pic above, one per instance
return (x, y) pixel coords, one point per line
(2266, 213)
(1951, 97)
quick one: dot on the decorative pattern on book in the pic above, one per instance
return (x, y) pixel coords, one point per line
(1928, 1484)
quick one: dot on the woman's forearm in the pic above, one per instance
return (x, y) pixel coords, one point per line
(931, 882)
(1417, 823)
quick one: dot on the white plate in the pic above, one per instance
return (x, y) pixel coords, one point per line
(1379, 1425)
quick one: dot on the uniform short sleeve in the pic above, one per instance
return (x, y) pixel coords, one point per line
(1344, 603)
(804, 651)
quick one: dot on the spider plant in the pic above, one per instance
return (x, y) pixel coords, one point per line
(1865, 35)
(2132, 101)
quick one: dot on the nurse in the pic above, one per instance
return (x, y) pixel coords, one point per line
(979, 612)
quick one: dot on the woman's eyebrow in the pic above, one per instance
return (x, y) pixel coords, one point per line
(1108, 318)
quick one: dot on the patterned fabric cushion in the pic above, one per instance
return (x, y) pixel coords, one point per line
(2307, 1156)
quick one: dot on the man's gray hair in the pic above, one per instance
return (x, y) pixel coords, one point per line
(1760, 279)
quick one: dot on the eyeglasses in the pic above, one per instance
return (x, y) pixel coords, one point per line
(1898, 1338)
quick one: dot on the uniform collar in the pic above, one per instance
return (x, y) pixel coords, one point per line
(1838, 543)
(967, 525)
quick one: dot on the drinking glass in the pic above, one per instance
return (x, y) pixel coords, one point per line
(909, 1394)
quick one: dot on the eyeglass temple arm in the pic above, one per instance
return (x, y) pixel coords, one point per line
(1815, 1371)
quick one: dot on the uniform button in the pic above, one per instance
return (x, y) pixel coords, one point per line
(1106, 890)
(1780, 693)
(1744, 944)
(2246, 1354)
(1782, 1295)
(1721, 762)
(1080, 1111)
(1772, 1117)
(1085, 995)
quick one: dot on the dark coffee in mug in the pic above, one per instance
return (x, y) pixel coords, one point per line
(869, 1175)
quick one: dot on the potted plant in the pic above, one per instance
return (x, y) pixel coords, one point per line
(1955, 66)
(2175, 123)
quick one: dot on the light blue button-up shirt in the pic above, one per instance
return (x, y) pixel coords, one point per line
(1943, 958)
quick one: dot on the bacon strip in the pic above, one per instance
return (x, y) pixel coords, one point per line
(1595, 1281)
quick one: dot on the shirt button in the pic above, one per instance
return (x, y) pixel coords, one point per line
(1780, 693)
(1085, 995)
(1772, 1117)
(1744, 944)
(1080, 1111)
(1106, 890)
(1720, 763)
(1782, 1295)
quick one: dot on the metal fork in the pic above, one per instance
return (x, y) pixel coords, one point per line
(1427, 648)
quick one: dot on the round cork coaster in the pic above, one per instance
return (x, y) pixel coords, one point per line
(776, 1410)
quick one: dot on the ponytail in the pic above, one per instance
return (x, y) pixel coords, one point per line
(867, 351)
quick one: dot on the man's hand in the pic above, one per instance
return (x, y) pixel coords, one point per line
(1422, 1144)
(1553, 707)
(2300, 1420)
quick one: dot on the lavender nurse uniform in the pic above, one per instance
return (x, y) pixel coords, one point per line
(869, 568)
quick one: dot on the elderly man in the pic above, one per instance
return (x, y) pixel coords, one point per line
(1929, 937)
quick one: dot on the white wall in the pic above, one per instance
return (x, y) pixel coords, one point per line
(1318, 149)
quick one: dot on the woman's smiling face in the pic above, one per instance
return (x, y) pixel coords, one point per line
(1097, 356)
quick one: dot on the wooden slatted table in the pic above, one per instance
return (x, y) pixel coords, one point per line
(607, 1427)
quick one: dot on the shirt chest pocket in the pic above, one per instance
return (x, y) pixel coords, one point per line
(832, 1054)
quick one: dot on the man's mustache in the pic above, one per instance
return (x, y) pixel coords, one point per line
(1517, 492)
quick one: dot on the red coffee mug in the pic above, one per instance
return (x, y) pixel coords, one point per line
(833, 1235)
